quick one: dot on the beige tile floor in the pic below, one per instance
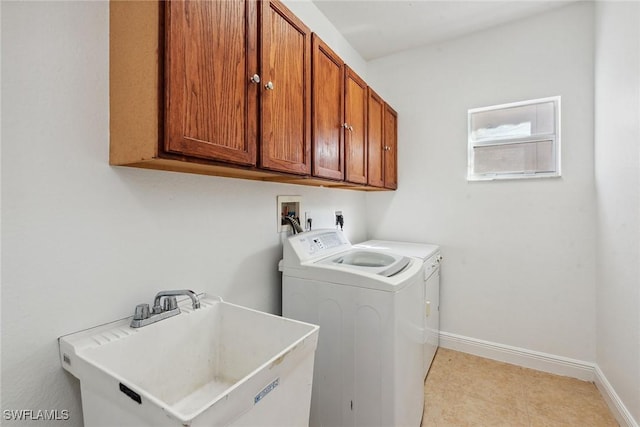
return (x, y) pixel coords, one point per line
(465, 390)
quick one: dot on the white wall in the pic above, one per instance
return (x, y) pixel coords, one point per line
(84, 242)
(319, 24)
(519, 256)
(617, 136)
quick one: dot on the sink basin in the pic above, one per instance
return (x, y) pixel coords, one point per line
(219, 365)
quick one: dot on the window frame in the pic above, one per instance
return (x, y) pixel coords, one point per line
(512, 141)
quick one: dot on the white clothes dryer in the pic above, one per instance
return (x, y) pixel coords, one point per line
(370, 346)
(431, 258)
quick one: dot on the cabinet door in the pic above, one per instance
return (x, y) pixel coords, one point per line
(327, 112)
(210, 103)
(286, 89)
(375, 139)
(356, 132)
(390, 148)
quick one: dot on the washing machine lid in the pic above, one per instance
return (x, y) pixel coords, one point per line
(417, 250)
(372, 262)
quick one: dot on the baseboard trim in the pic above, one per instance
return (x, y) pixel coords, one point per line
(519, 356)
(620, 411)
(543, 362)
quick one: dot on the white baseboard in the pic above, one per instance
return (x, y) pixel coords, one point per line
(545, 362)
(620, 411)
(519, 356)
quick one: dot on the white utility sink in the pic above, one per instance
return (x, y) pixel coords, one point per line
(218, 365)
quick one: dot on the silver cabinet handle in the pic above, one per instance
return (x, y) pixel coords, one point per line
(255, 79)
(347, 127)
(269, 86)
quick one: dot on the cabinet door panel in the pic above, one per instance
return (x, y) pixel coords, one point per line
(210, 106)
(391, 148)
(286, 106)
(356, 135)
(327, 112)
(375, 139)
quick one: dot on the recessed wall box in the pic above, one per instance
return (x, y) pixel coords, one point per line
(288, 206)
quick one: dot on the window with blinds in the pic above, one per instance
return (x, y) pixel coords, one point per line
(517, 140)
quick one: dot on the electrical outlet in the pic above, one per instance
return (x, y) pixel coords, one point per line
(339, 220)
(308, 221)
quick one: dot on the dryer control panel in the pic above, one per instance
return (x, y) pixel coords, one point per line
(432, 264)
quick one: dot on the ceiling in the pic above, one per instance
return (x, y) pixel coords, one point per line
(377, 28)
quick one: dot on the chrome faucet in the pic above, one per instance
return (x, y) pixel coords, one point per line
(142, 316)
(194, 298)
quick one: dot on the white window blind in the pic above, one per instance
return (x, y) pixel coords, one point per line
(517, 140)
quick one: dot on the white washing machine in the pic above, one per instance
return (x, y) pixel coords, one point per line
(431, 258)
(368, 304)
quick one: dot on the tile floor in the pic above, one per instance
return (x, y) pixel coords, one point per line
(465, 390)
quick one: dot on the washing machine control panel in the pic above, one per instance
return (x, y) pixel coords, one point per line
(310, 245)
(327, 240)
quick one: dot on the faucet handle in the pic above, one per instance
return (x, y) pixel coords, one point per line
(141, 312)
(170, 303)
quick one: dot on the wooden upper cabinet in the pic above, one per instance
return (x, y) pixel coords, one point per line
(211, 107)
(356, 128)
(327, 112)
(375, 139)
(286, 90)
(224, 88)
(390, 148)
